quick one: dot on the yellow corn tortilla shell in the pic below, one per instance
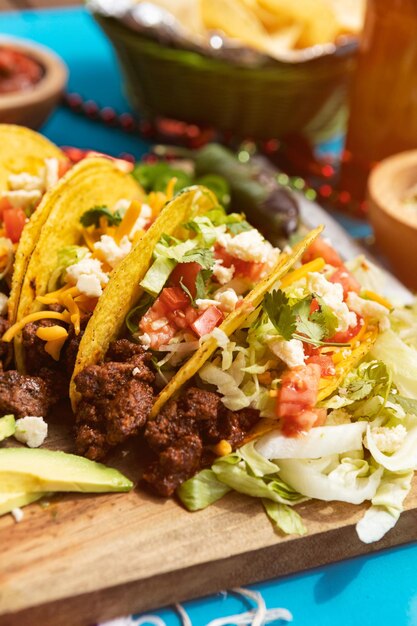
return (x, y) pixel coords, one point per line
(327, 386)
(123, 291)
(234, 320)
(92, 182)
(24, 150)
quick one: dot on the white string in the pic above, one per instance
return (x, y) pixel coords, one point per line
(258, 616)
(186, 621)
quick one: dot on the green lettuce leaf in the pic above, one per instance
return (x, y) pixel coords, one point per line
(201, 490)
(284, 518)
(387, 505)
(400, 359)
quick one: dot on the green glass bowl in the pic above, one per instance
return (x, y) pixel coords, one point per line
(268, 101)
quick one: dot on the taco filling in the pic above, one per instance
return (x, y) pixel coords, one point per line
(193, 283)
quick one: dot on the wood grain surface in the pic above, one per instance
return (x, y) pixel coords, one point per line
(85, 558)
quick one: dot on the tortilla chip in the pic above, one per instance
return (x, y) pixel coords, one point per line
(123, 290)
(234, 320)
(92, 182)
(24, 150)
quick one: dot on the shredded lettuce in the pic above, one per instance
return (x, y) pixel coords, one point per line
(400, 359)
(157, 275)
(69, 255)
(348, 479)
(318, 442)
(405, 458)
(285, 518)
(387, 505)
(201, 490)
(369, 275)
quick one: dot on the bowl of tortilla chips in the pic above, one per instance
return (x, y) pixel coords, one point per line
(255, 68)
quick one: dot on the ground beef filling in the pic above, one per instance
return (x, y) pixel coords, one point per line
(40, 363)
(181, 433)
(5, 347)
(24, 395)
(116, 399)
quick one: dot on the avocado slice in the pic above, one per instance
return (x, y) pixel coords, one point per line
(33, 470)
(7, 426)
(9, 501)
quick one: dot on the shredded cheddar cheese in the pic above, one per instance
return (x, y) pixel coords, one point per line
(170, 188)
(371, 295)
(33, 317)
(301, 272)
(53, 348)
(73, 310)
(56, 297)
(51, 333)
(129, 220)
(89, 239)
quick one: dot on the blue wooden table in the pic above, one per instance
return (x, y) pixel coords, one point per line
(378, 589)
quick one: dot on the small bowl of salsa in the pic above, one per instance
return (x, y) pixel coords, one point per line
(32, 80)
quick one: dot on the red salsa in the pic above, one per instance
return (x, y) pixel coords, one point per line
(18, 72)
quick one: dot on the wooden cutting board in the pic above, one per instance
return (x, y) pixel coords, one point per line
(85, 559)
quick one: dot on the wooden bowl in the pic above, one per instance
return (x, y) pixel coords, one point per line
(395, 222)
(32, 107)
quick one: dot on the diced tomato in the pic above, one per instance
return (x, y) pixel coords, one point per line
(346, 279)
(347, 335)
(156, 325)
(244, 269)
(299, 388)
(297, 398)
(325, 363)
(187, 274)
(248, 269)
(174, 298)
(314, 306)
(63, 167)
(207, 321)
(319, 248)
(14, 222)
(221, 254)
(183, 319)
(4, 206)
(306, 420)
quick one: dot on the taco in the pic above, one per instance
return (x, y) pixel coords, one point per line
(99, 216)
(30, 165)
(312, 396)
(194, 278)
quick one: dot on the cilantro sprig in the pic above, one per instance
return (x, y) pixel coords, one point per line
(92, 217)
(297, 322)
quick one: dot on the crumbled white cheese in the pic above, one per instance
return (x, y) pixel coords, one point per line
(145, 340)
(158, 324)
(247, 246)
(51, 174)
(369, 309)
(204, 303)
(22, 199)
(31, 430)
(291, 352)
(389, 440)
(143, 219)
(89, 285)
(227, 299)
(25, 182)
(332, 295)
(135, 371)
(88, 276)
(3, 303)
(222, 273)
(112, 252)
(121, 205)
(17, 514)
